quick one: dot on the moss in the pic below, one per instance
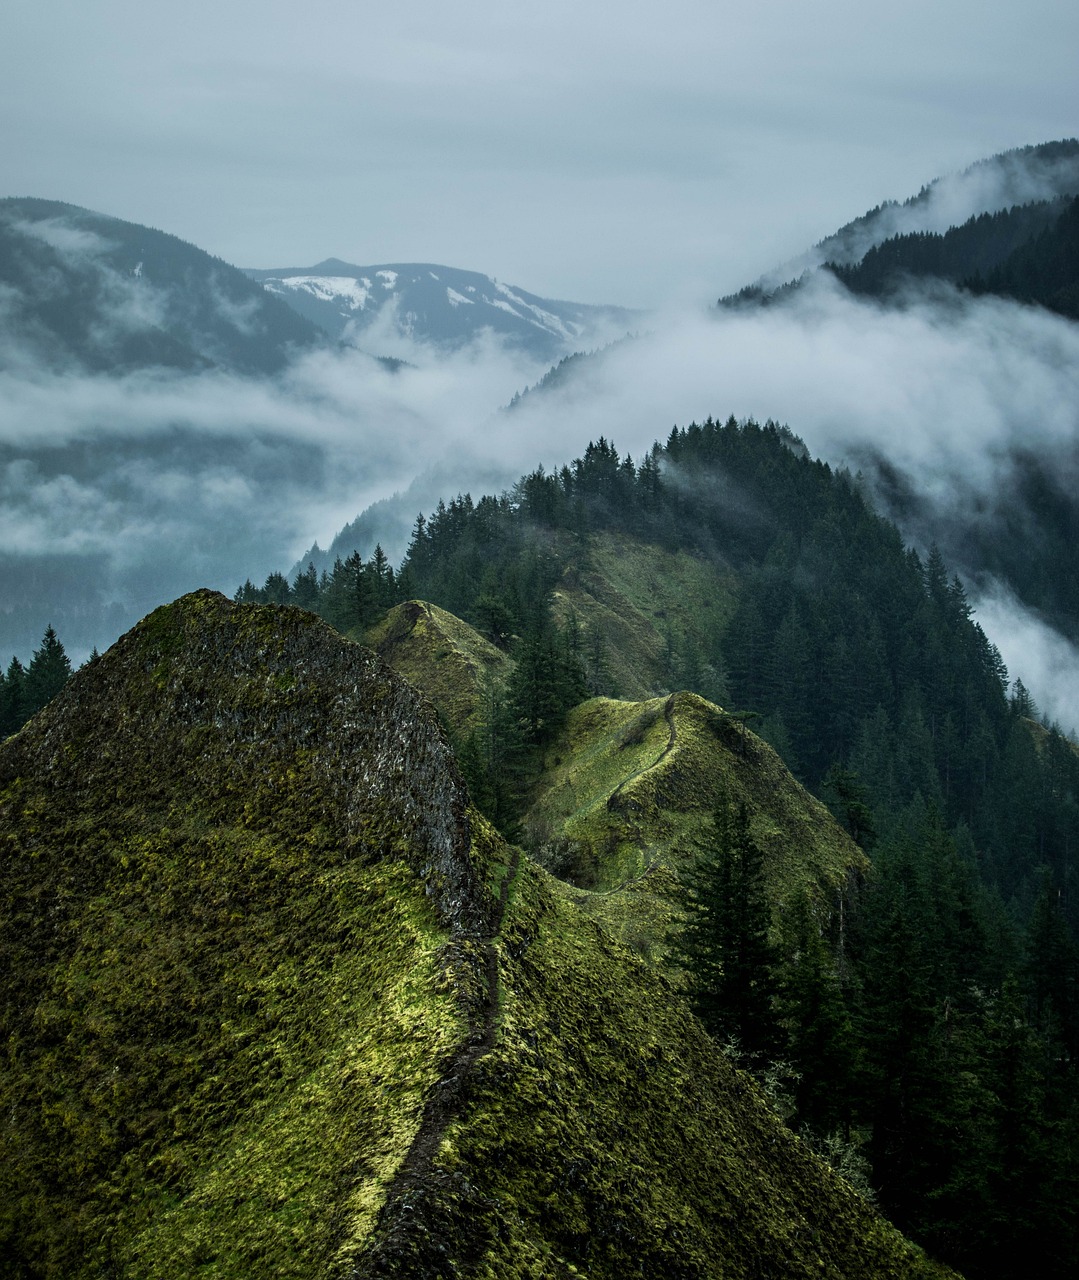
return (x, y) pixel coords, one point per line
(641, 602)
(632, 787)
(277, 1003)
(225, 949)
(605, 1136)
(446, 659)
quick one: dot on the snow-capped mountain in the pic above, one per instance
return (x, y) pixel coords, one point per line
(383, 306)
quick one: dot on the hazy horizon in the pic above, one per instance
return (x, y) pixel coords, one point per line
(662, 154)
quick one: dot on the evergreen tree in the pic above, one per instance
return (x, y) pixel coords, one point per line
(48, 672)
(13, 698)
(724, 945)
(820, 1036)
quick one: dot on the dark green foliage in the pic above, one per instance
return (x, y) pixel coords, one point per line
(820, 1038)
(862, 664)
(966, 1090)
(24, 691)
(1043, 270)
(352, 596)
(547, 680)
(849, 801)
(1022, 253)
(723, 945)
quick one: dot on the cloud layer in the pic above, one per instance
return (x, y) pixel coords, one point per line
(128, 491)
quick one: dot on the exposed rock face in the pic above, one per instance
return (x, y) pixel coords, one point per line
(238, 945)
(276, 1003)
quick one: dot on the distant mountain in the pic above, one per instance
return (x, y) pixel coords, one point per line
(1038, 174)
(443, 306)
(84, 290)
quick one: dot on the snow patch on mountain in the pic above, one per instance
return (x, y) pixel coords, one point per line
(336, 289)
(441, 307)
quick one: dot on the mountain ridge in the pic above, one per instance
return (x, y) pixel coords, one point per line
(391, 305)
(91, 290)
(281, 1002)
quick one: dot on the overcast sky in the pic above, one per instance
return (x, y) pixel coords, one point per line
(617, 152)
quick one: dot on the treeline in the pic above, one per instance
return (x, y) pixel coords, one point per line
(25, 690)
(928, 1050)
(988, 247)
(1029, 253)
(482, 563)
(853, 651)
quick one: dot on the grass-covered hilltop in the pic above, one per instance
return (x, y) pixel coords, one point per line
(278, 1001)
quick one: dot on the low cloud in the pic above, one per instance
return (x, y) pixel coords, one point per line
(167, 482)
(158, 483)
(1046, 662)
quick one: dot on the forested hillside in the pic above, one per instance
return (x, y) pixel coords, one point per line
(954, 1040)
(1028, 253)
(91, 292)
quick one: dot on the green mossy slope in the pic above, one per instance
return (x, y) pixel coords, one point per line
(646, 606)
(277, 1004)
(234, 870)
(445, 657)
(626, 798)
(605, 1136)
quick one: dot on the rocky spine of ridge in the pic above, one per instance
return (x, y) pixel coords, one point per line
(211, 779)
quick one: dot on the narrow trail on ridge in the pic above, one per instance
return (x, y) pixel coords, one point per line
(411, 1182)
(672, 738)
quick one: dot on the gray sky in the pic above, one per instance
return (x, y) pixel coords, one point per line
(636, 153)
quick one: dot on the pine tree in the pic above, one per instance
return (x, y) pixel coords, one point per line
(47, 673)
(820, 1036)
(724, 946)
(12, 698)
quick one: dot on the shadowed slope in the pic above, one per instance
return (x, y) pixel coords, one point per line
(276, 1003)
(237, 888)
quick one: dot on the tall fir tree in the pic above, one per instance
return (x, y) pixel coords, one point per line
(724, 944)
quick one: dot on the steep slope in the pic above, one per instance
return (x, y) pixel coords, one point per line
(626, 800)
(277, 1004)
(981, 249)
(92, 291)
(626, 791)
(444, 306)
(649, 615)
(445, 657)
(1045, 172)
(235, 855)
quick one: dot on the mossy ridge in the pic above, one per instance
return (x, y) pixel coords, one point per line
(642, 600)
(631, 786)
(443, 656)
(239, 893)
(607, 1136)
